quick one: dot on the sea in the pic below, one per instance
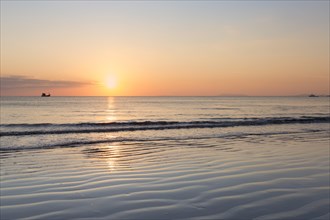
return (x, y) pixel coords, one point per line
(165, 157)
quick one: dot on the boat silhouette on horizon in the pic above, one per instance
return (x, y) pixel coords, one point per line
(45, 95)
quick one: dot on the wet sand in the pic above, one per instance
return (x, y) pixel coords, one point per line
(280, 176)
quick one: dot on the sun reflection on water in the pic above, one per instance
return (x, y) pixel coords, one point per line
(111, 112)
(110, 157)
(113, 159)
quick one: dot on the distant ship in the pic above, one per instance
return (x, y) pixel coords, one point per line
(312, 95)
(45, 95)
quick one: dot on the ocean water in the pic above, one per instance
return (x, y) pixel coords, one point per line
(39, 122)
(165, 157)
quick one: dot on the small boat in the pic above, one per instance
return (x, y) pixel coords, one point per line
(45, 95)
(312, 95)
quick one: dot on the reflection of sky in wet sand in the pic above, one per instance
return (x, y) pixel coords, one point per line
(283, 176)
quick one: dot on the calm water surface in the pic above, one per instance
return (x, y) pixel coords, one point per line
(33, 110)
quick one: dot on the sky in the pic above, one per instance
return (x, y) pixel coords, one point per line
(164, 48)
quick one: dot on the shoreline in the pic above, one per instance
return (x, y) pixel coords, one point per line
(255, 176)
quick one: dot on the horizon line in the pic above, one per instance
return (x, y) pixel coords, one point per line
(302, 95)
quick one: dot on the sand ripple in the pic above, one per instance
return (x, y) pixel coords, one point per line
(248, 178)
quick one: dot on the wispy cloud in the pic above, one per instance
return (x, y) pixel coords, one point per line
(23, 82)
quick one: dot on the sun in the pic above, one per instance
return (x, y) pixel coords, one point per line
(111, 82)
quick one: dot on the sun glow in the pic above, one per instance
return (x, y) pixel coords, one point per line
(111, 82)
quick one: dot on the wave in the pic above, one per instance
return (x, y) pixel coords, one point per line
(65, 143)
(52, 129)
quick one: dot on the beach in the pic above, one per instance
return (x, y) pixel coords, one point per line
(275, 170)
(192, 110)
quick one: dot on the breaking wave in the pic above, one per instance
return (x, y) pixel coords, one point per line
(89, 127)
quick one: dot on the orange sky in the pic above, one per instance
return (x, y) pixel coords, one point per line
(164, 48)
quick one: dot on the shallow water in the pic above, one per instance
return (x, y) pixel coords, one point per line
(275, 169)
(276, 176)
